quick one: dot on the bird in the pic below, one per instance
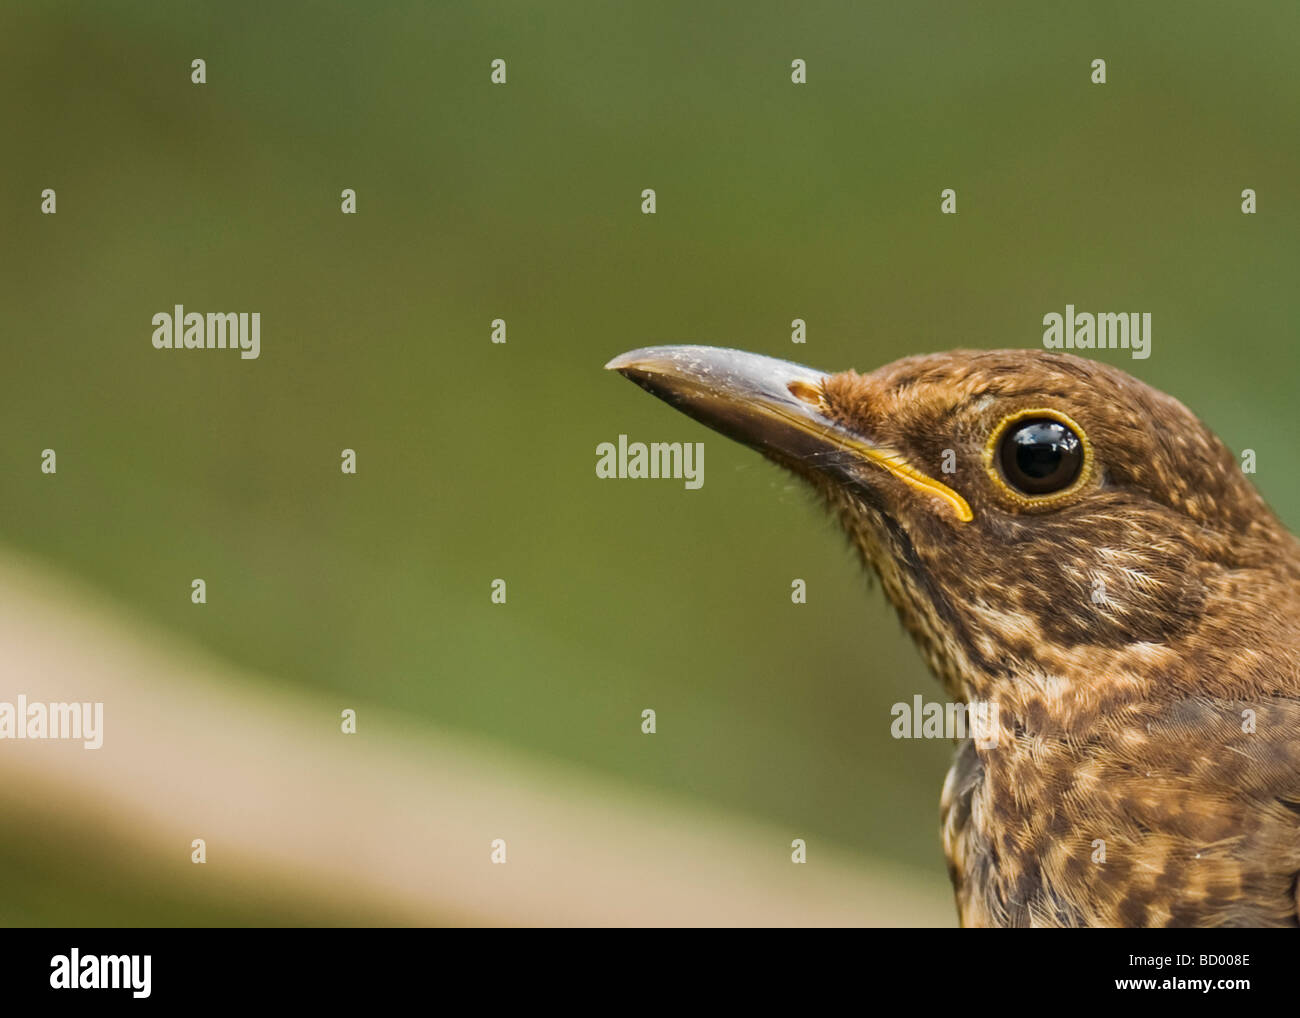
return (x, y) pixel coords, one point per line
(1076, 549)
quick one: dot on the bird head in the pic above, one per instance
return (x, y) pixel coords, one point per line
(1030, 514)
(1073, 547)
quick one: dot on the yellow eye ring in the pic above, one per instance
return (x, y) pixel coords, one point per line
(1035, 503)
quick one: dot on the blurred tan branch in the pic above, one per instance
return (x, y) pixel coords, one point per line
(399, 817)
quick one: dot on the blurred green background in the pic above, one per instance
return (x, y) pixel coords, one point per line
(522, 202)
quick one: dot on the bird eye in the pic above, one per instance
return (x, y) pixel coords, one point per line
(1039, 455)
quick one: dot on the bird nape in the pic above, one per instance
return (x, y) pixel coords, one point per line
(1076, 549)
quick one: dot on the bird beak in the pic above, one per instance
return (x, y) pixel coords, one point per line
(773, 406)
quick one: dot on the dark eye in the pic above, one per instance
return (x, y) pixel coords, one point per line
(1039, 456)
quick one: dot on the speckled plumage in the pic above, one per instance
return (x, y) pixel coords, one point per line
(1128, 635)
(1122, 716)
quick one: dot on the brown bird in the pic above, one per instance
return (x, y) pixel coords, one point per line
(1077, 550)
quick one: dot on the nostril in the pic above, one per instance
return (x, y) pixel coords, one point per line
(806, 391)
